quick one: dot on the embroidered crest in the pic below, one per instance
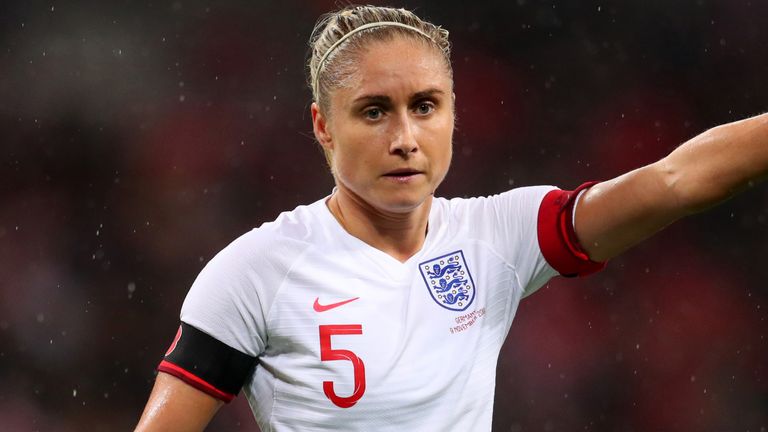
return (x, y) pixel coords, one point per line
(448, 280)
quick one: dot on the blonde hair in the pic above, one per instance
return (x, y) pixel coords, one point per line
(334, 42)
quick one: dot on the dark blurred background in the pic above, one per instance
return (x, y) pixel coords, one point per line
(138, 138)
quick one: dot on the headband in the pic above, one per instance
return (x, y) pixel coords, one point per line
(359, 29)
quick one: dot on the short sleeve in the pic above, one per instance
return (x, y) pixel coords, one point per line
(229, 299)
(517, 218)
(515, 223)
(223, 319)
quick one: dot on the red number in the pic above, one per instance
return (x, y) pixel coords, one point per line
(329, 354)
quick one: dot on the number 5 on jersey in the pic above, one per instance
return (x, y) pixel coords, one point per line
(329, 354)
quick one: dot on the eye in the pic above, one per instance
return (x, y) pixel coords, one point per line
(373, 113)
(425, 108)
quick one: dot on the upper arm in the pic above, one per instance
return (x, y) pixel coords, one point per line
(176, 406)
(614, 215)
(197, 375)
(215, 349)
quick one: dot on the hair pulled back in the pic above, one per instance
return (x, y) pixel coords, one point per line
(333, 26)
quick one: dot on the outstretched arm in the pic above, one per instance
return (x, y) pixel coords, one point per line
(617, 214)
(176, 406)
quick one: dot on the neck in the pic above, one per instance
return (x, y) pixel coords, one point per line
(400, 235)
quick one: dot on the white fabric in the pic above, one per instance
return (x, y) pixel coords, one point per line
(575, 205)
(427, 368)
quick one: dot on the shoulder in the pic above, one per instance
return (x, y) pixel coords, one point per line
(298, 224)
(233, 294)
(273, 246)
(297, 228)
(518, 199)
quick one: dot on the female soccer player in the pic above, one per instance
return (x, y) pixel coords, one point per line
(382, 307)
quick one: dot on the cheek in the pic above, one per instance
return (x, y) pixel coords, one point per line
(349, 161)
(442, 145)
(445, 162)
(358, 150)
(448, 155)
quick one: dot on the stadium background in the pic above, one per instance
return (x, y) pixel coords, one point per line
(138, 138)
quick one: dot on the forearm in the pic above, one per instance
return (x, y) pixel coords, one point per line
(619, 213)
(718, 163)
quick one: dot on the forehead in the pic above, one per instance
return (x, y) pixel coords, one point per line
(400, 65)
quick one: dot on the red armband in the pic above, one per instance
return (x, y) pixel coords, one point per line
(557, 237)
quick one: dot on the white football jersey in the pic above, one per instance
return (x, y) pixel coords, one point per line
(349, 338)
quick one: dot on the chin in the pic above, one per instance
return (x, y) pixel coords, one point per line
(403, 204)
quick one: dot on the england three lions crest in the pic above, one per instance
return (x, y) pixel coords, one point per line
(448, 280)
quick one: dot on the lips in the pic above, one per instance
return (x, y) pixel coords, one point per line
(402, 172)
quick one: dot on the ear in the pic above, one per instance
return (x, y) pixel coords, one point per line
(320, 127)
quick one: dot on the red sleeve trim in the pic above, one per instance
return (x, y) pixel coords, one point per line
(194, 381)
(557, 237)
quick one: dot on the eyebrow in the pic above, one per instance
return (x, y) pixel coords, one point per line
(384, 100)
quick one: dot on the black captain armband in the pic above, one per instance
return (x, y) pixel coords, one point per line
(206, 363)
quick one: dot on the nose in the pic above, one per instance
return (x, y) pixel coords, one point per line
(404, 137)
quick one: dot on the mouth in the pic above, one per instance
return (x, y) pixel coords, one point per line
(403, 173)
